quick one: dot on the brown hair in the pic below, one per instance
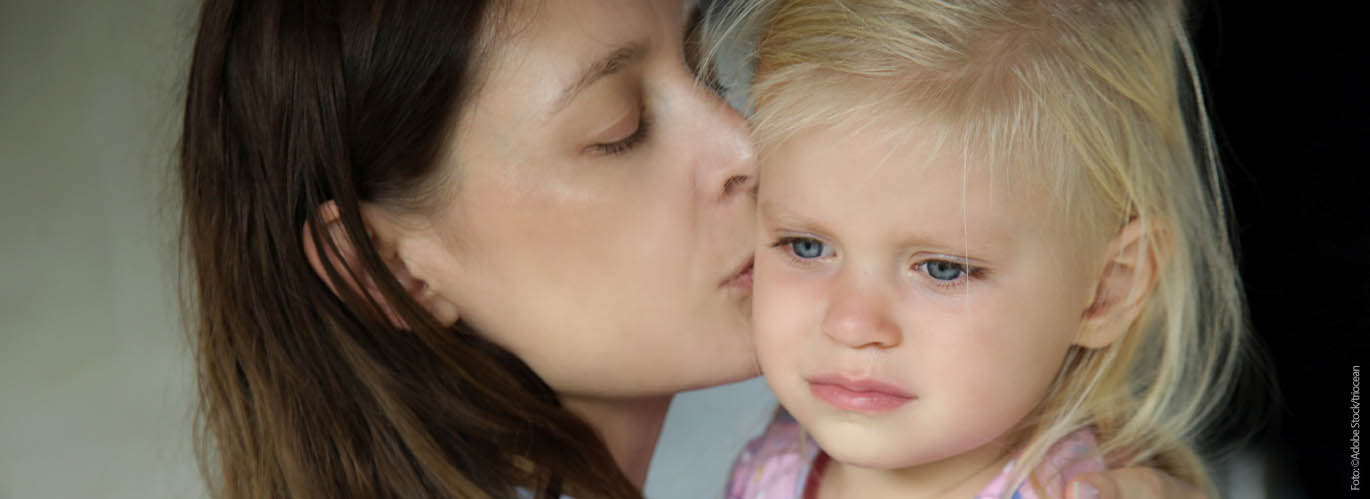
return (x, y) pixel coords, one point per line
(311, 394)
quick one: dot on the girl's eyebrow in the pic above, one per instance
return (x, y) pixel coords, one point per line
(776, 214)
(960, 247)
(978, 234)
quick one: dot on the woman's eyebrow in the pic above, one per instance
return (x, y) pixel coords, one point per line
(612, 62)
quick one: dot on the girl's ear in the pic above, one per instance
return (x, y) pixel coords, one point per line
(1131, 265)
(389, 238)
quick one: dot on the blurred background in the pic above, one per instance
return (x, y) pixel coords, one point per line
(95, 380)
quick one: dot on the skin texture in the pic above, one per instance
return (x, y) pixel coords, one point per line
(593, 248)
(881, 258)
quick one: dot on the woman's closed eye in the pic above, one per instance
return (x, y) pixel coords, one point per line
(628, 142)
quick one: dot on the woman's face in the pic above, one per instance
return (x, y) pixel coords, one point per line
(601, 220)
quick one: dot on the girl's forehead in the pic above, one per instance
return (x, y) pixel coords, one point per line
(901, 173)
(894, 152)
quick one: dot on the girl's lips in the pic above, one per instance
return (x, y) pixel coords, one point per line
(859, 395)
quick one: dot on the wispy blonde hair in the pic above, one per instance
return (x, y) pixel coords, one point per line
(1103, 99)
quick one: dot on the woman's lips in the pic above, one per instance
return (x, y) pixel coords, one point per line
(741, 279)
(859, 395)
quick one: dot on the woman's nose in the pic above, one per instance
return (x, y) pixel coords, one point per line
(728, 169)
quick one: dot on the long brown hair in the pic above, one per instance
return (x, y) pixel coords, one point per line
(311, 394)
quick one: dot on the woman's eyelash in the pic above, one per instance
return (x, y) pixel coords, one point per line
(627, 143)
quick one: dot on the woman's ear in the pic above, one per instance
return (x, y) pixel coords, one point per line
(1131, 265)
(389, 238)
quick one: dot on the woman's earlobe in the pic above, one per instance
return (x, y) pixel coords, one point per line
(417, 263)
(316, 244)
(330, 247)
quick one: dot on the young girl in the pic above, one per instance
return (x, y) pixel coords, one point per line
(992, 256)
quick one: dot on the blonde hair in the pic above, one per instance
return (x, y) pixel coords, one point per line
(1104, 98)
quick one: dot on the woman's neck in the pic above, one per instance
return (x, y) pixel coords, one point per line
(629, 427)
(963, 475)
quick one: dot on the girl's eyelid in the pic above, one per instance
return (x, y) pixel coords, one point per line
(924, 256)
(782, 240)
(781, 236)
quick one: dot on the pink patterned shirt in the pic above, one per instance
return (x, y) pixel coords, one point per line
(779, 465)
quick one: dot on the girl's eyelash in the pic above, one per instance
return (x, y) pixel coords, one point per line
(787, 241)
(968, 272)
(783, 240)
(629, 142)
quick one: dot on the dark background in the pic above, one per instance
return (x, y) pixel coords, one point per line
(1287, 90)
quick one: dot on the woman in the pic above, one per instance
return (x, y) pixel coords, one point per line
(457, 249)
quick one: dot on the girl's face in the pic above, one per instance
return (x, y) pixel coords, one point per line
(910, 306)
(602, 215)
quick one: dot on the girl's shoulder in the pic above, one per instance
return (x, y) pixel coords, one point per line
(774, 465)
(777, 464)
(1075, 454)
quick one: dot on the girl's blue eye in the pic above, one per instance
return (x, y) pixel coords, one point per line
(806, 248)
(944, 270)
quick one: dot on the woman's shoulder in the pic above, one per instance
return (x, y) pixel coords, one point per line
(775, 464)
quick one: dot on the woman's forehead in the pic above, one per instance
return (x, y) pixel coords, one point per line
(564, 28)
(549, 49)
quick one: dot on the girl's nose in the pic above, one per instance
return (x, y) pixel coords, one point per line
(860, 317)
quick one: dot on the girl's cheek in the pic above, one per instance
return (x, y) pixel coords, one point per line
(787, 301)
